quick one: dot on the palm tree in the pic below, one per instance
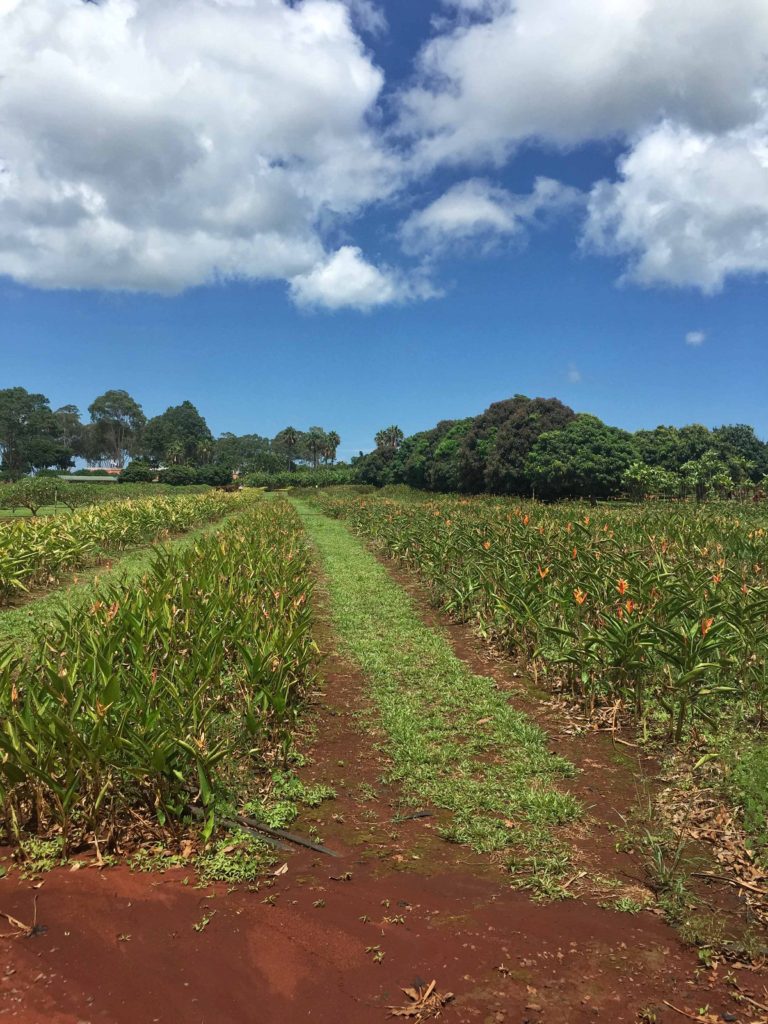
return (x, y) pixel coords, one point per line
(175, 452)
(317, 442)
(332, 442)
(390, 438)
(290, 438)
(205, 450)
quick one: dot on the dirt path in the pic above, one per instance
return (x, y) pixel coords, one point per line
(336, 939)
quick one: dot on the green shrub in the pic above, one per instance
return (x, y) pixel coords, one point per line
(215, 476)
(137, 473)
(179, 475)
(323, 476)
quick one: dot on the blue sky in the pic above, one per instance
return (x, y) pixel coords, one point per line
(403, 265)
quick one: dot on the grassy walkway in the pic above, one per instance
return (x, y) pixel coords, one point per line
(454, 739)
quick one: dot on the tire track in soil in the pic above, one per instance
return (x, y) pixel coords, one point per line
(122, 948)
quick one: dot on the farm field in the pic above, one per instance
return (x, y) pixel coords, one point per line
(479, 718)
(36, 552)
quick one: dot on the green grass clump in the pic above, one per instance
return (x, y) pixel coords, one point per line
(234, 859)
(748, 783)
(454, 739)
(287, 794)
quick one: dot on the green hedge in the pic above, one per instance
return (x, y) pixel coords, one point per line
(323, 476)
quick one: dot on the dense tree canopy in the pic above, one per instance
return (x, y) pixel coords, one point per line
(527, 419)
(118, 421)
(586, 459)
(179, 436)
(30, 434)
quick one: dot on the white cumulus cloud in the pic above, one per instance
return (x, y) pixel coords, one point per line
(148, 145)
(476, 211)
(346, 278)
(689, 208)
(567, 72)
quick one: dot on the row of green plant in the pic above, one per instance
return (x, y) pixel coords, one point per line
(140, 704)
(35, 552)
(663, 609)
(46, 492)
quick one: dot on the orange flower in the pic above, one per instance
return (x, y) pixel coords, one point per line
(622, 586)
(579, 596)
(629, 604)
(717, 578)
(586, 520)
(706, 625)
(526, 520)
(543, 572)
(575, 553)
(486, 544)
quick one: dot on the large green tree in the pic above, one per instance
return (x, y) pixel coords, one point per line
(526, 420)
(118, 421)
(738, 447)
(29, 433)
(480, 440)
(586, 459)
(332, 442)
(444, 470)
(315, 444)
(248, 453)
(179, 436)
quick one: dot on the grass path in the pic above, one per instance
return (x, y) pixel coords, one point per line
(35, 617)
(453, 737)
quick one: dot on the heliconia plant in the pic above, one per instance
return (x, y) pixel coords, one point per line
(136, 704)
(661, 607)
(40, 551)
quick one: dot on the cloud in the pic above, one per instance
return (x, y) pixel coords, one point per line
(695, 338)
(689, 208)
(574, 375)
(476, 211)
(554, 70)
(146, 148)
(347, 279)
(368, 16)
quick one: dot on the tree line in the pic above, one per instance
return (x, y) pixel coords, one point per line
(519, 446)
(541, 447)
(116, 434)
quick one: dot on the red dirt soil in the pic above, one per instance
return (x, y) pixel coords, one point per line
(121, 948)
